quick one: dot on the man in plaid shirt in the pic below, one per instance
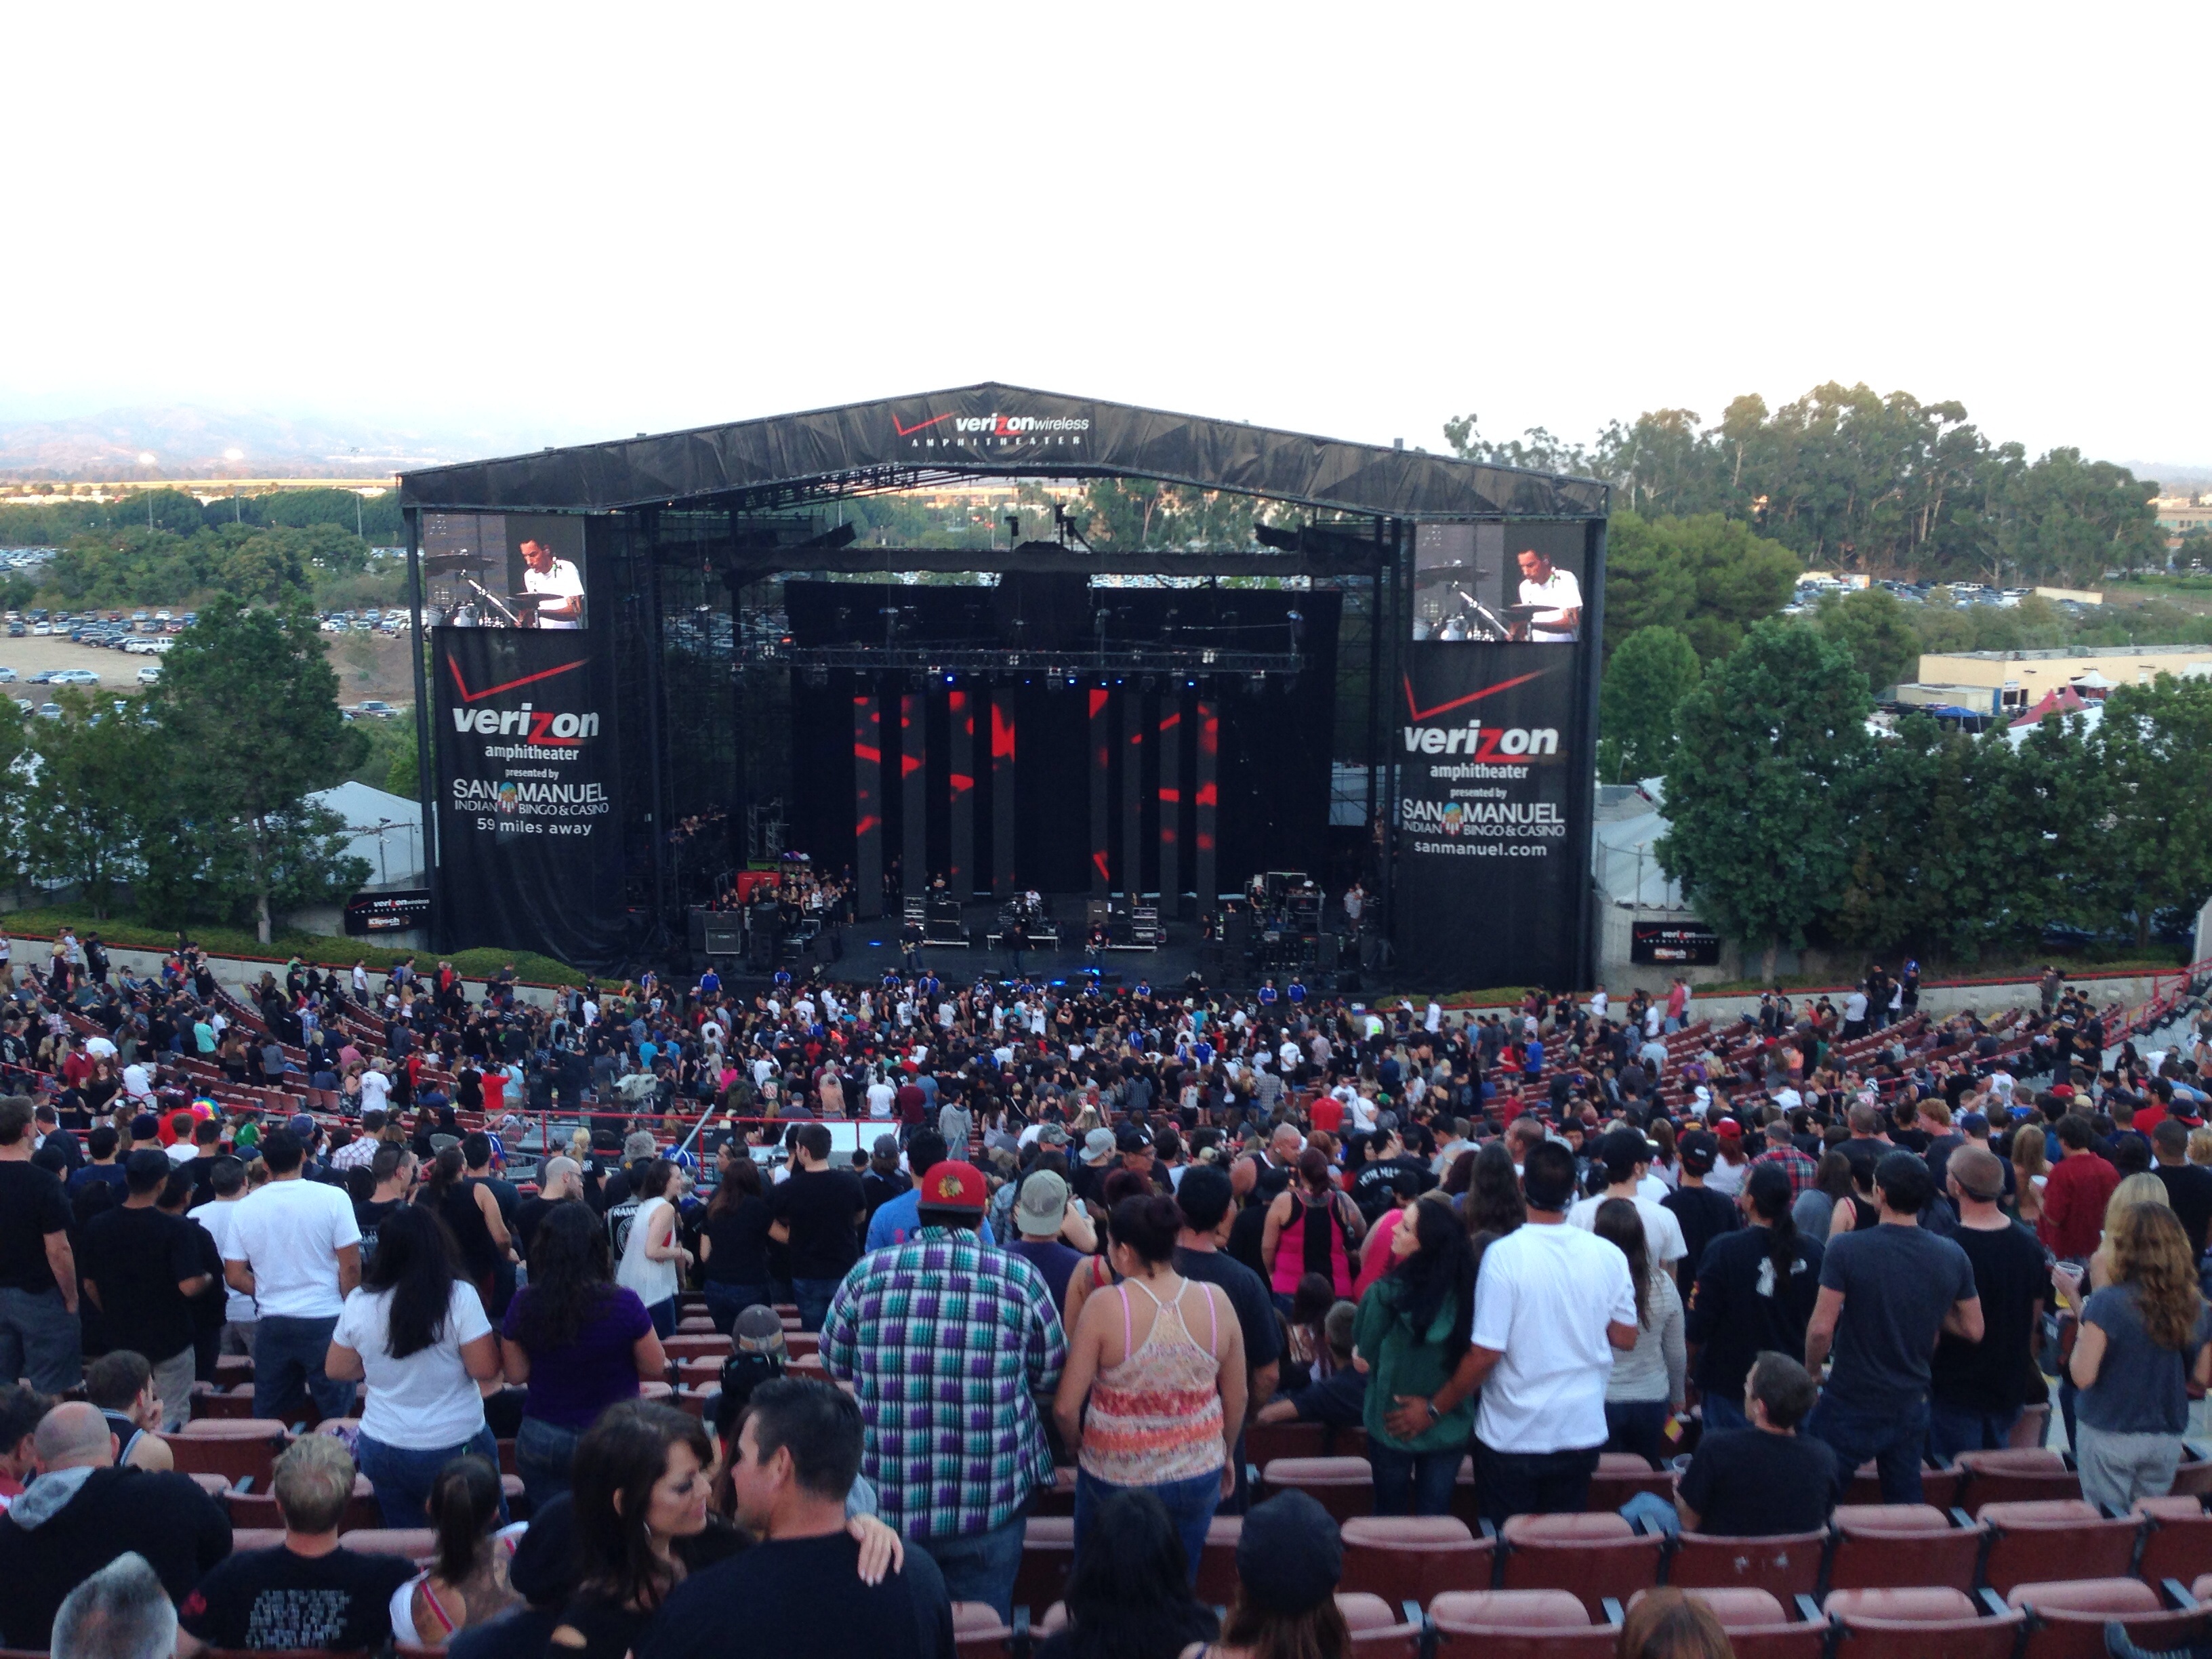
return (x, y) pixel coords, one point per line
(946, 1342)
(1782, 1149)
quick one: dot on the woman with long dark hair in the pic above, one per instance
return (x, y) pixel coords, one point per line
(1128, 1594)
(418, 1332)
(1755, 1291)
(733, 1245)
(580, 1342)
(471, 1214)
(1494, 1207)
(653, 1259)
(1413, 1333)
(1646, 1383)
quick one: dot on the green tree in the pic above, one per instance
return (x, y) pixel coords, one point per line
(1876, 630)
(1768, 752)
(248, 703)
(87, 800)
(1644, 684)
(1709, 576)
(2154, 745)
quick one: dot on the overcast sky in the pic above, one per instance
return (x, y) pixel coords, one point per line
(578, 221)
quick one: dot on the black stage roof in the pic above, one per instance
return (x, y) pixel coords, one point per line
(990, 430)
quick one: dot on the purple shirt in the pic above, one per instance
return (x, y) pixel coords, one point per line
(571, 1385)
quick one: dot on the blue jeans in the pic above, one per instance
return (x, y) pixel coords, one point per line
(1894, 1439)
(813, 1296)
(402, 1477)
(1639, 1427)
(287, 1366)
(543, 1454)
(1722, 1415)
(663, 1314)
(725, 1302)
(1652, 1513)
(1413, 1483)
(1954, 1429)
(1190, 1505)
(979, 1566)
(40, 1340)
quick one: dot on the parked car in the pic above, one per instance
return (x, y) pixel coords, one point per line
(377, 710)
(7, 677)
(149, 673)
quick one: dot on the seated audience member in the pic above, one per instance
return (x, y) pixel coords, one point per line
(467, 1586)
(307, 1592)
(1666, 1624)
(1339, 1399)
(121, 1611)
(21, 1406)
(1767, 1479)
(82, 1511)
(1288, 1561)
(121, 1385)
(1129, 1591)
(539, 1573)
(798, 1453)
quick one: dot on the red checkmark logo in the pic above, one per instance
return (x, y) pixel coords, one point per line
(909, 431)
(468, 695)
(1420, 714)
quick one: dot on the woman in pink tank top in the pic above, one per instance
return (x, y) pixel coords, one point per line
(1161, 1360)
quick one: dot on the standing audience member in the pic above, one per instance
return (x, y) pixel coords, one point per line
(1886, 1293)
(2075, 1198)
(1646, 1387)
(733, 1245)
(307, 1592)
(1412, 1331)
(82, 1511)
(1755, 1292)
(579, 1341)
(819, 1213)
(1207, 1198)
(947, 1343)
(1165, 1393)
(1976, 1391)
(38, 1335)
(1552, 1305)
(418, 1332)
(652, 1260)
(142, 1270)
(295, 1249)
(2143, 1338)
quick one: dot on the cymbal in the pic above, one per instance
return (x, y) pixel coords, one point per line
(439, 563)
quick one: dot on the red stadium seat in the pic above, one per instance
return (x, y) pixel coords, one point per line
(1527, 1624)
(2016, 1474)
(1927, 1622)
(1885, 1546)
(1620, 1476)
(2067, 1619)
(255, 1538)
(416, 1543)
(1345, 1487)
(1217, 1562)
(978, 1632)
(1378, 1630)
(1407, 1558)
(250, 1455)
(1595, 1557)
(2179, 1544)
(1047, 1551)
(1265, 1442)
(1785, 1565)
(2039, 1543)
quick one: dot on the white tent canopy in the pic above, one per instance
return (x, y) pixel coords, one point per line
(386, 832)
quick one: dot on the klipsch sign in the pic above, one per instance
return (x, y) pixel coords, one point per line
(528, 854)
(1489, 862)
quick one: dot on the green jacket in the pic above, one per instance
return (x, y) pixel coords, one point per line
(1401, 1361)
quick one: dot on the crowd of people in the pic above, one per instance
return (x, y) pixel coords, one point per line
(1090, 1236)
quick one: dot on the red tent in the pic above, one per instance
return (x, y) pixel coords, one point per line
(2064, 700)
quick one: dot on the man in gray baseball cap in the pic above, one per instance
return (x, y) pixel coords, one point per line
(1040, 1212)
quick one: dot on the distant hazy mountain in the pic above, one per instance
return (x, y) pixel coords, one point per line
(188, 442)
(2175, 477)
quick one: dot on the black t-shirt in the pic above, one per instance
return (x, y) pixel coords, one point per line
(275, 1599)
(1705, 1215)
(882, 1188)
(2011, 1272)
(1741, 1306)
(2189, 1186)
(737, 1239)
(166, 1517)
(820, 1205)
(1248, 1294)
(31, 1206)
(1379, 1184)
(777, 1592)
(1747, 1483)
(1247, 1234)
(137, 1257)
(368, 1217)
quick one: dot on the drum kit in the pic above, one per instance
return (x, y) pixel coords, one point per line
(479, 606)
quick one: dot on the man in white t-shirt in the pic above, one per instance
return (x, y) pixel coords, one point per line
(1547, 1321)
(1559, 619)
(295, 1249)
(881, 1096)
(227, 1179)
(1627, 1159)
(1854, 1013)
(376, 1089)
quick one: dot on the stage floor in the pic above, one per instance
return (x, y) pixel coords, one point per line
(870, 949)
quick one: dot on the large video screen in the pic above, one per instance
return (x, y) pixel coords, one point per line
(1498, 582)
(505, 569)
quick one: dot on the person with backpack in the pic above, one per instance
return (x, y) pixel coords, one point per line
(1312, 1227)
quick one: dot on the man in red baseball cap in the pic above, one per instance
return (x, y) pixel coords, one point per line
(946, 1342)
